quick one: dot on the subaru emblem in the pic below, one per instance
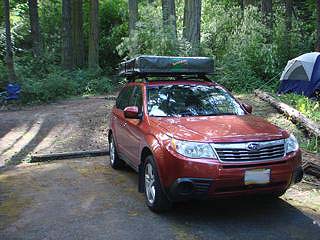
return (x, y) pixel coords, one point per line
(253, 146)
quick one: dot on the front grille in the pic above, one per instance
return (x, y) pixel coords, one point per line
(243, 152)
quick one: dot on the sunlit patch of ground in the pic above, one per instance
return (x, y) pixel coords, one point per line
(72, 125)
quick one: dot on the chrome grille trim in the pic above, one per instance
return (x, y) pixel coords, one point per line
(240, 153)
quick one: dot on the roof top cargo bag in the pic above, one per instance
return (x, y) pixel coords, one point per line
(166, 66)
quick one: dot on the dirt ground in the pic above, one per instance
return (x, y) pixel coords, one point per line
(71, 125)
(86, 199)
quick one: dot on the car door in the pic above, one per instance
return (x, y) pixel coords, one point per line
(120, 121)
(132, 130)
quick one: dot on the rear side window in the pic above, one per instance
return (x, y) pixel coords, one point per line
(124, 97)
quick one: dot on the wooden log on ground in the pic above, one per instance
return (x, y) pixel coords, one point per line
(294, 115)
(312, 169)
(67, 155)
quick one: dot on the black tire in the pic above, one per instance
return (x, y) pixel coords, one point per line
(269, 196)
(275, 195)
(159, 203)
(115, 161)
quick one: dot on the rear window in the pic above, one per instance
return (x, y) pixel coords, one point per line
(191, 100)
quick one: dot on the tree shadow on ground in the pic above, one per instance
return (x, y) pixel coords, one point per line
(47, 124)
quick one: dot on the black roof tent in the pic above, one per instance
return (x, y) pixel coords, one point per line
(154, 66)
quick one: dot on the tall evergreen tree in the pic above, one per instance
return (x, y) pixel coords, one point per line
(169, 16)
(77, 33)
(133, 14)
(67, 52)
(287, 33)
(248, 2)
(93, 56)
(9, 52)
(318, 26)
(267, 17)
(192, 24)
(35, 28)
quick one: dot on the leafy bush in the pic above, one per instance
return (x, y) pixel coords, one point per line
(62, 84)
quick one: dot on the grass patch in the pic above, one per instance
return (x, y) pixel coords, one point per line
(310, 108)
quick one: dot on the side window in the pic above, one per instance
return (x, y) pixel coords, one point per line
(124, 97)
(136, 99)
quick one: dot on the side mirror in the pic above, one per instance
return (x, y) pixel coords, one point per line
(132, 112)
(247, 107)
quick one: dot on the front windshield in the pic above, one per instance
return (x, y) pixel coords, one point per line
(190, 100)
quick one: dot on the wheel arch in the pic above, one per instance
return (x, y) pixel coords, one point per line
(151, 147)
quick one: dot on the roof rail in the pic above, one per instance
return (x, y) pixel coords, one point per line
(145, 78)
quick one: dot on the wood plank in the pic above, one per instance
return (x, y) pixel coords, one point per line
(67, 155)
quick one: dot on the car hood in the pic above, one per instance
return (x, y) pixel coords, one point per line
(220, 128)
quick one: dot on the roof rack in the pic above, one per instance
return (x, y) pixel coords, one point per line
(160, 66)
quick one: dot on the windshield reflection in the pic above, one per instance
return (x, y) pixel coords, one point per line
(190, 100)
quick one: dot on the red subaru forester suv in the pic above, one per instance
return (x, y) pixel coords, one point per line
(188, 137)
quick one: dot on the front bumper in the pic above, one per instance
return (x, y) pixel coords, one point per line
(190, 178)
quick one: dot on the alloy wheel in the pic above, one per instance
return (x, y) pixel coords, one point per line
(150, 183)
(112, 152)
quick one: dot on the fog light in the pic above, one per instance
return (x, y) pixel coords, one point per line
(185, 188)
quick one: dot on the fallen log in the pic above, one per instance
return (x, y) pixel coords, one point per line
(312, 169)
(67, 155)
(294, 115)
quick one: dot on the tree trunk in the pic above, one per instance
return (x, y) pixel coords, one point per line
(9, 53)
(67, 49)
(169, 16)
(192, 24)
(318, 26)
(133, 15)
(35, 28)
(287, 33)
(267, 17)
(93, 58)
(248, 2)
(77, 33)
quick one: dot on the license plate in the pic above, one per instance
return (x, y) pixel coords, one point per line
(257, 176)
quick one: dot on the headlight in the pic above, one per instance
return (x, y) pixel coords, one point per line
(193, 149)
(291, 144)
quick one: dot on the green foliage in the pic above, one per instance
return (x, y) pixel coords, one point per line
(248, 54)
(61, 84)
(311, 144)
(113, 27)
(151, 38)
(42, 79)
(303, 104)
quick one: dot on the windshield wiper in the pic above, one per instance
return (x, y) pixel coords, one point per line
(221, 114)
